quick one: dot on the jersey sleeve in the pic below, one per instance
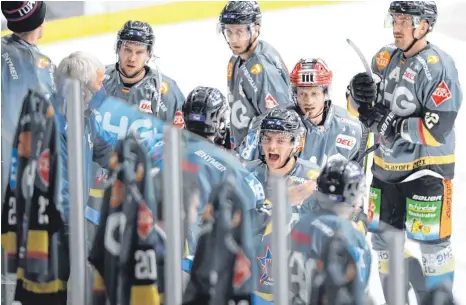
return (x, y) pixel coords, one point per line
(103, 144)
(266, 88)
(173, 99)
(440, 94)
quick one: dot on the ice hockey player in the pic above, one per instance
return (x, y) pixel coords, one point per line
(280, 135)
(206, 114)
(410, 102)
(257, 78)
(329, 259)
(133, 80)
(330, 131)
(24, 67)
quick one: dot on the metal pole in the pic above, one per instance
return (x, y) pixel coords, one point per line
(76, 182)
(279, 241)
(397, 280)
(172, 216)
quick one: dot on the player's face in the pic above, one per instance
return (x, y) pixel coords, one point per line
(238, 36)
(311, 100)
(99, 80)
(133, 57)
(277, 148)
(402, 30)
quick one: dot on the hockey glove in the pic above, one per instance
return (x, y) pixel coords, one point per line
(364, 88)
(379, 119)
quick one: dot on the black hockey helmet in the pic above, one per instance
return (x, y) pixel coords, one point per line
(137, 31)
(205, 111)
(241, 12)
(342, 181)
(419, 10)
(286, 121)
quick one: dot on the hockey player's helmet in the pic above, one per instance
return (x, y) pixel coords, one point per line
(311, 72)
(342, 181)
(241, 12)
(136, 31)
(283, 121)
(419, 10)
(205, 111)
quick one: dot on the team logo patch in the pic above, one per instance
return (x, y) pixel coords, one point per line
(409, 75)
(256, 69)
(43, 167)
(270, 102)
(229, 71)
(433, 60)
(382, 59)
(145, 221)
(441, 94)
(145, 106)
(178, 121)
(164, 88)
(43, 62)
(345, 142)
(265, 262)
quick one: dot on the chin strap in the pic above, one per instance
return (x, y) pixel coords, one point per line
(414, 41)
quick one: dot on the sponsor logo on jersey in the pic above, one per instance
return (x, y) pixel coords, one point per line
(382, 59)
(242, 270)
(145, 221)
(229, 71)
(270, 102)
(256, 69)
(346, 142)
(433, 59)
(43, 62)
(178, 121)
(43, 167)
(441, 94)
(265, 261)
(164, 88)
(145, 106)
(409, 75)
(13, 169)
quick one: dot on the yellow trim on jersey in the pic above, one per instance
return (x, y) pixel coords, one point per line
(144, 295)
(39, 288)
(37, 243)
(265, 296)
(408, 166)
(96, 193)
(9, 243)
(429, 138)
(350, 108)
(164, 13)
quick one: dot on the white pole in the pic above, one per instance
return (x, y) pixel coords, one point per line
(76, 191)
(172, 215)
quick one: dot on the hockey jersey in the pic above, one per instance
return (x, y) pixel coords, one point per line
(127, 244)
(155, 94)
(255, 85)
(34, 234)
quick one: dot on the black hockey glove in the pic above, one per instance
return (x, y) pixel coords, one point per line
(364, 88)
(379, 119)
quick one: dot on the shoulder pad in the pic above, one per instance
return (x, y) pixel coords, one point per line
(434, 62)
(342, 116)
(384, 55)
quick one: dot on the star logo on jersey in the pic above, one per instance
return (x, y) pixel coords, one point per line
(441, 94)
(145, 221)
(265, 261)
(242, 269)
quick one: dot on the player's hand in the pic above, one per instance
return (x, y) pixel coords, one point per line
(364, 88)
(298, 193)
(389, 126)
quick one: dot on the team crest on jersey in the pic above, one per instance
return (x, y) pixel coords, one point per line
(270, 102)
(178, 121)
(433, 59)
(43, 167)
(242, 270)
(441, 94)
(266, 262)
(145, 221)
(383, 58)
(229, 71)
(43, 62)
(164, 88)
(256, 69)
(145, 106)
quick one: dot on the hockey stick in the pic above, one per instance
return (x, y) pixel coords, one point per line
(363, 153)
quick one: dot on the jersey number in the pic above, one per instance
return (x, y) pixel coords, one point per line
(146, 266)
(301, 276)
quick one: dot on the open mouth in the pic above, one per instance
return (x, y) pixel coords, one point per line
(274, 157)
